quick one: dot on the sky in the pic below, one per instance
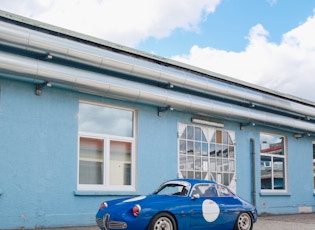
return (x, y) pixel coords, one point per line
(270, 43)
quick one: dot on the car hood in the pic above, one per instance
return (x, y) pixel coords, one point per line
(149, 200)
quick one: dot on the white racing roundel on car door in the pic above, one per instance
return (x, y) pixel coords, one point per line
(210, 210)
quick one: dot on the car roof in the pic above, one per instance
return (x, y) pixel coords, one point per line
(193, 181)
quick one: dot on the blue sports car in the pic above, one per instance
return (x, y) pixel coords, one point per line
(179, 204)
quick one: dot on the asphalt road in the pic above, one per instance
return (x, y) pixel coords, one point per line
(286, 222)
(272, 222)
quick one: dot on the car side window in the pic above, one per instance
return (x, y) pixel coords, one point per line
(211, 191)
(204, 190)
(224, 191)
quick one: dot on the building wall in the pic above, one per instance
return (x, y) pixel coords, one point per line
(39, 147)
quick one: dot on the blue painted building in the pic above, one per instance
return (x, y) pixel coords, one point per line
(83, 120)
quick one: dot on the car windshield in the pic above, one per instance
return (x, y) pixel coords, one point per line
(173, 189)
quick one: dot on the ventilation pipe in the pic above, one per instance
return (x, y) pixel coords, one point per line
(103, 85)
(253, 157)
(144, 66)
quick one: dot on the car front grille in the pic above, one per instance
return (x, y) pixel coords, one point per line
(117, 225)
(106, 224)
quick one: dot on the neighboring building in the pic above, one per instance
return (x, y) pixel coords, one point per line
(83, 120)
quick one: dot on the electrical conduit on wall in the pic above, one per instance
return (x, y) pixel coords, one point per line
(104, 85)
(28, 39)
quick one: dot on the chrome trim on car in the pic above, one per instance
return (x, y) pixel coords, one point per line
(99, 222)
(106, 224)
(106, 220)
(117, 225)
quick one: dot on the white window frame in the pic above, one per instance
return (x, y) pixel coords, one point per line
(209, 132)
(285, 160)
(106, 187)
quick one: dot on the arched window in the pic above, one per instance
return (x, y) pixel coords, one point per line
(206, 153)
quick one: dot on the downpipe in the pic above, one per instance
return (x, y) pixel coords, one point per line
(253, 157)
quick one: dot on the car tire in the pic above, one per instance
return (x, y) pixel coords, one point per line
(162, 221)
(244, 221)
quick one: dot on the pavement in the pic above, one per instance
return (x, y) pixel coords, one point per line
(286, 222)
(271, 222)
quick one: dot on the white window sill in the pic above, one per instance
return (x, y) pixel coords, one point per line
(275, 193)
(105, 193)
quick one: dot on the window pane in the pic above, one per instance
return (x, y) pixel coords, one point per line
(198, 134)
(232, 165)
(225, 136)
(278, 173)
(219, 150)
(105, 120)
(197, 148)
(219, 165)
(182, 147)
(225, 151)
(204, 149)
(219, 136)
(231, 151)
(265, 172)
(120, 163)
(91, 161)
(273, 160)
(271, 144)
(190, 147)
(198, 163)
(225, 165)
(183, 136)
(182, 162)
(190, 163)
(212, 150)
(205, 166)
(190, 132)
(213, 164)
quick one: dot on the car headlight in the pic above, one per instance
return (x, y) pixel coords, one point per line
(103, 205)
(136, 210)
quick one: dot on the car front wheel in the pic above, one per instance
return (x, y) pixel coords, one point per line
(162, 221)
(243, 222)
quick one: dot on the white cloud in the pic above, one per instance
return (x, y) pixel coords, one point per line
(122, 21)
(287, 67)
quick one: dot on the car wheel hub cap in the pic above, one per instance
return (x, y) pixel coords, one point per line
(244, 222)
(163, 224)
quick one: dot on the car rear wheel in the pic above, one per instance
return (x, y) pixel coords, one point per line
(244, 222)
(162, 221)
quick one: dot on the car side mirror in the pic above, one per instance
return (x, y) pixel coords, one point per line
(195, 196)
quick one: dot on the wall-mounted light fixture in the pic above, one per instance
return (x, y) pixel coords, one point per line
(242, 125)
(163, 109)
(39, 87)
(298, 135)
(45, 57)
(166, 85)
(207, 122)
(307, 118)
